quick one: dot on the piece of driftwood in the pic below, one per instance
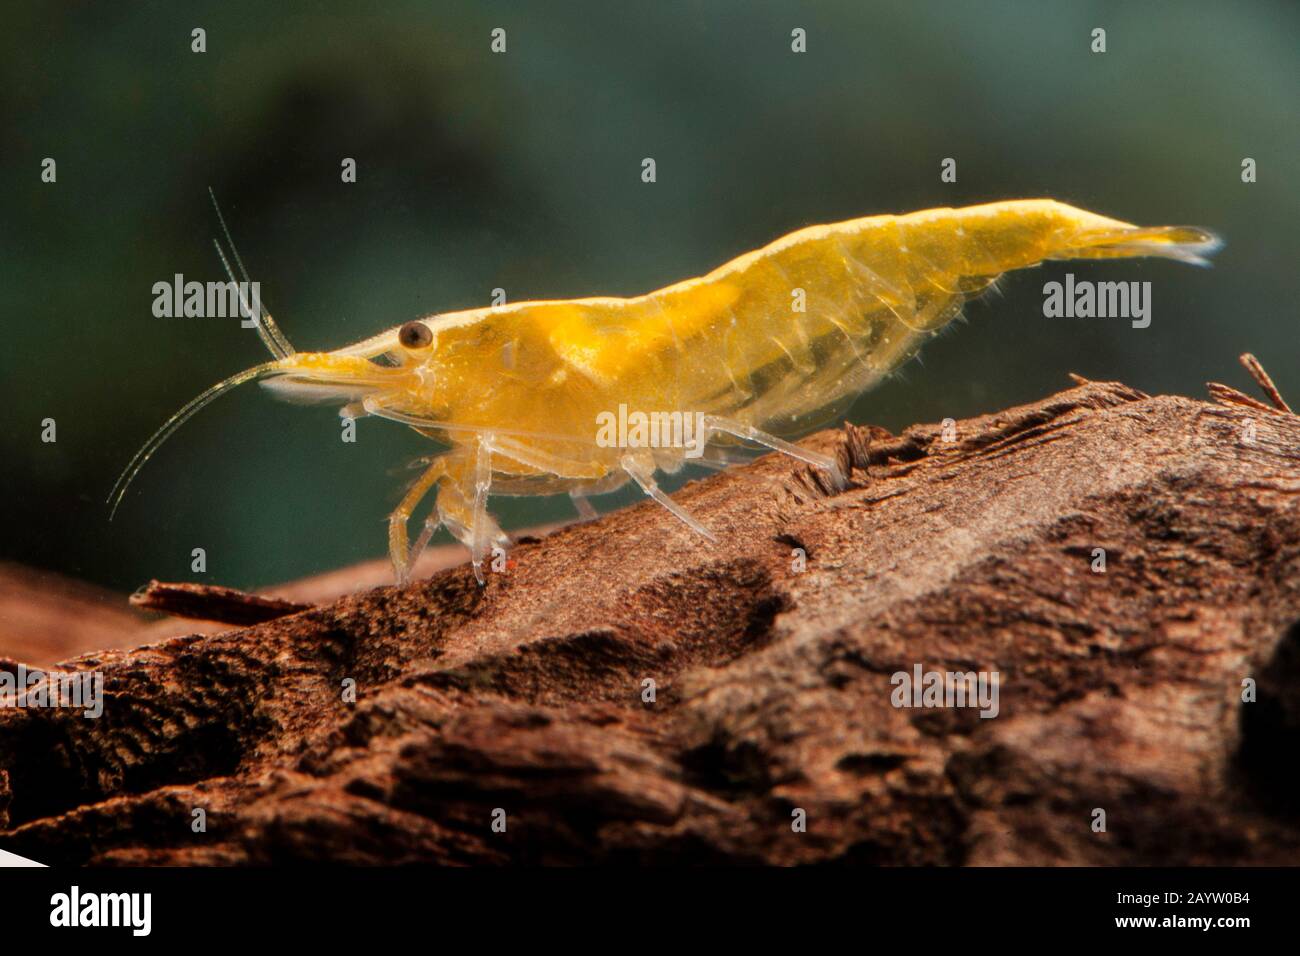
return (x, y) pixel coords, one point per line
(208, 602)
(46, 618)
(627, 692)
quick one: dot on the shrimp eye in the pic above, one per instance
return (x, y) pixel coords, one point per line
(414, 335)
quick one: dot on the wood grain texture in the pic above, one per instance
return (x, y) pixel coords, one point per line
(1119, 690)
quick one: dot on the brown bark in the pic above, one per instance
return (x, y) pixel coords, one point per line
(1120, 690)
(206, 602)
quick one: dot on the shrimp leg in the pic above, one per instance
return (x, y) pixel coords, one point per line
(484, 531)
(464, 478)
(586, 510)
(642, 471)
(580, 496)
(543, 461)
(531, 457)
(398, 541)
(715, 423)
(462, 505)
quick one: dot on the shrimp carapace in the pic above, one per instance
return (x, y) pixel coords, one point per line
(770, 344)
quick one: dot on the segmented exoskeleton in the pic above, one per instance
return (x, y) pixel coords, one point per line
(767, 345)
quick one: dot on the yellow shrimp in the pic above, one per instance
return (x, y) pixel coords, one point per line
(525, 395)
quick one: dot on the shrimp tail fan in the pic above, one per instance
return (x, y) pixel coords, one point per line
(1184, 243)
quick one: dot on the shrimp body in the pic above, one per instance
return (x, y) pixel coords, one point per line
(769, 344)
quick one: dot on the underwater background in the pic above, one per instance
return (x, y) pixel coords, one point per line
(522, 170)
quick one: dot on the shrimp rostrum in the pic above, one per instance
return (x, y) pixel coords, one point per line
(759, 350)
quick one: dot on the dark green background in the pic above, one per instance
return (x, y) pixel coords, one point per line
(523, 171)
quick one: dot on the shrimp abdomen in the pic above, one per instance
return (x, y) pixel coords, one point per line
(822, 314)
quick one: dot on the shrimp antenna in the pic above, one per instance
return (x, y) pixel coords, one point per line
(176, 421)
(267, 330)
